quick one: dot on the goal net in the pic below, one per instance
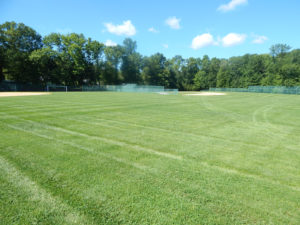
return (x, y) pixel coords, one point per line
(57, 88)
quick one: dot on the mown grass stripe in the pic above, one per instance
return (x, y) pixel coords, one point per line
(91, 107)
(145, 168)
(252, 176)
(120, 160)
(109, 141)
(40, 195)
(216, 182)
(169, 131)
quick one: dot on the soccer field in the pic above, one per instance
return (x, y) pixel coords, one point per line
(125, 158)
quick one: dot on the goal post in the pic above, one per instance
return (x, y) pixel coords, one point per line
(60, 88)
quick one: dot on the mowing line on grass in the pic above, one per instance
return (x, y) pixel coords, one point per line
(178, 193)
(230, 171)
(109, 141)
(279, 132)
(192, 134)
(159, 129)
(40, 195)
(170, 131)
(224, 169)
(67, 109)
(145, 168)
(268, 127)
(254, 115)
(178, 132)
(248, 175)
(215, 182)
(95, 123)
(120, 160)
(266, 119)
(234, 114)
(70, 103)
(238, 171)
(91, 108)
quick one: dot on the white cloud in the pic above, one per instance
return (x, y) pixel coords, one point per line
(207, 39)
(203, 40)
(259, 39)
(232, 39)
(165, 45)
(153, 30)
(126, 28)
(231, 5)
(173, 22)
(110, 43)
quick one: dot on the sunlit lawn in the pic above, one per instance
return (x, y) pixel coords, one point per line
(124, 158)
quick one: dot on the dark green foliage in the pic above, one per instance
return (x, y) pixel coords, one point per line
(155, 71)
(1, 64)
(131, 62)
(74, 60)
(113, 56)
(17, 41)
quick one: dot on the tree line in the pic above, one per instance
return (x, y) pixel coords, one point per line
(73, 60)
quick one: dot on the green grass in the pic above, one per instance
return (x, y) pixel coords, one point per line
(122, 158)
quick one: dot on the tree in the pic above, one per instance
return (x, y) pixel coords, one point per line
(45, 62)
(2, 63)
(17, 41)
(94, 51)
(78, 59)
(155, 71)
(290, 74)
(214, 67)
(75, 51)
(223, 76)
(74, 60)
(206, 77)
(131, 62)
(279, 49)
(200, 81)
(189, 70)
(54, 41)
(176, 65)
(113, 56)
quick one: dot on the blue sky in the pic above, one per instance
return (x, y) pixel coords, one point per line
(191, 28)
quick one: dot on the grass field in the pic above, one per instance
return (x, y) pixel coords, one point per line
(122, 158)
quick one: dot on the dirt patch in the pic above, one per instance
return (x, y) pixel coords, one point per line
(14, 94)
(206, 94)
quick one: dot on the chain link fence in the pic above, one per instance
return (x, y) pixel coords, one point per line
(12, 86)
(262, 89)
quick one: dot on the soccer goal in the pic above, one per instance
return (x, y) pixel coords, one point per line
(51, 88)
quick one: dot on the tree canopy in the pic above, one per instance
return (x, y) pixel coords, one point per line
(73, 59)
